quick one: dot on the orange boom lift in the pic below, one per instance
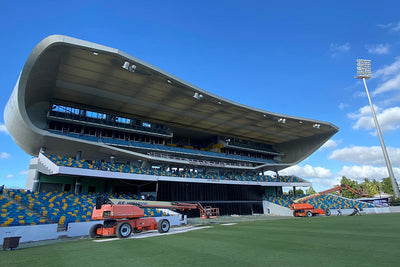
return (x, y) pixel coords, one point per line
(307, 210)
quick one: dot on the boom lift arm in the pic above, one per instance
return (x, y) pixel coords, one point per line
(301, 209)
(336, 188)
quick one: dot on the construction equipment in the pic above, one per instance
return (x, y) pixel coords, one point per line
(208, 212)
(301, 209)
(122, 217)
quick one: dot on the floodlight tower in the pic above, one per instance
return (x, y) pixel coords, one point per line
(364, 73)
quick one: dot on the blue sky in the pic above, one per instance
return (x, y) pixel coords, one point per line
(291, 57)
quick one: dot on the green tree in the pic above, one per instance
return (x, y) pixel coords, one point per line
(387, 185)
(310, 191)
(298, 192)
(353, 184)
(370, 187)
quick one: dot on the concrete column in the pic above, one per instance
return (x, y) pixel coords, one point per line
(78, 188)
(78, 155)
(36, 182)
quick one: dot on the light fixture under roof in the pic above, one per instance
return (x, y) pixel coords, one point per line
(282, 120)
(197, 96)
(316, 125)
(129, 67)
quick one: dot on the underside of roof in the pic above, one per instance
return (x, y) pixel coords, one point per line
(71, 72)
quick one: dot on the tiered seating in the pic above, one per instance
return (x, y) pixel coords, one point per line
(61, 207)
(337, 202)
(159, 147)
(15, 215)
(324, 201)
(283, 200)
(120, 167)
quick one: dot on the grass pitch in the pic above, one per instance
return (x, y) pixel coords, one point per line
(371, 240)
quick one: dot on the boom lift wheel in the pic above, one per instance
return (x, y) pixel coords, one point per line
(309, 213)
(163, 226)
(124, 230)
(328, 212)
(93, 230)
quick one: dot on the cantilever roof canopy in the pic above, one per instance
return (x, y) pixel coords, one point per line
(74, 72)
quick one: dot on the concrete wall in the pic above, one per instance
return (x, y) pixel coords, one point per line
(395, 209)
(277, 210)
(30, 233)
(34, 233)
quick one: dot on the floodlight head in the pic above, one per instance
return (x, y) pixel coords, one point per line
(129, 67)
(363, 69)
(197, 96)
(317, 125)
(126, 65)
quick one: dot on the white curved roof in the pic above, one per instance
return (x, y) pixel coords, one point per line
(73, 72)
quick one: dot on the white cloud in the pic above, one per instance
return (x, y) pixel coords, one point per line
(391, 26)
(323, 184)
(10, 176)
(380, 49)
(365, 171)
(343, 106)
(307, 171)
(387, 71)
(339, 48)
(4, 155)
(385, 26)
(3, 128)
(23, 172)
(360, 94)
(392, 84)
(389, 119)
(366, 155)
(330, 144)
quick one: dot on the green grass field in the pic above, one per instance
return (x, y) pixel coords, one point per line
(371, 240)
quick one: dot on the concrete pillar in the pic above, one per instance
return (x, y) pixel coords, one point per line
(78, 186)
(79, 155)
(112, 159)
(36, 182)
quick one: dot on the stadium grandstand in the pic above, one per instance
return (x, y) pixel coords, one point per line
(99, 121)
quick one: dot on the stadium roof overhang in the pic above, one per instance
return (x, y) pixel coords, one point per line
(69, 71)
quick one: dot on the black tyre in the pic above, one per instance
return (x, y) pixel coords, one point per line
(295, 213)
(163, 226)
(328, 212)
(124, 230)
(136, 231)
(93, 230)
(309, 213)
